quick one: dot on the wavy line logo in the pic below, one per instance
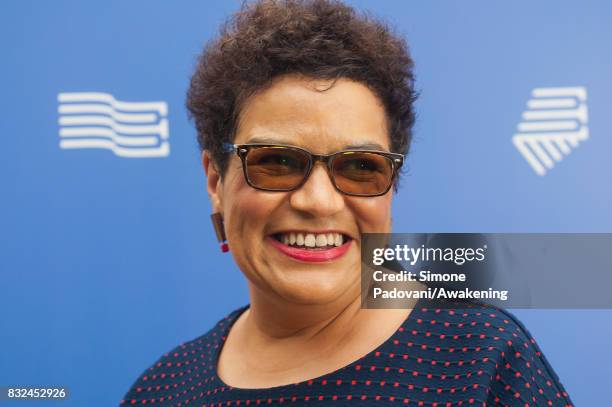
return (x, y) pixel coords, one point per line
(98, 120)
(554, 123)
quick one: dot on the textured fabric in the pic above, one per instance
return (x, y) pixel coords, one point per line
(439, 357)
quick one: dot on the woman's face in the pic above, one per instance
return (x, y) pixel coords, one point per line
(294, 111)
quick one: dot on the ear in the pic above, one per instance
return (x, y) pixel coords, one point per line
(213, 181)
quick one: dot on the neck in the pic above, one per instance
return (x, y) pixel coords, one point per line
(277, 342)
(274, 318)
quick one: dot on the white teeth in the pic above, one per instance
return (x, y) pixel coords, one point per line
(338, 239)
(309, 240)
(321, 240)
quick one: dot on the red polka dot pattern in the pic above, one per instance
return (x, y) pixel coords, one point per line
(439, 357)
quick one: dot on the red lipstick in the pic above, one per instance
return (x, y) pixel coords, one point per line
(311, 255)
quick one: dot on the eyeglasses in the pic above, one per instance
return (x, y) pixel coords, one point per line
(270, 167)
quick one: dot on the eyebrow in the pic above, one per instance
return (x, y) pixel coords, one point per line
(360, 146)
(365, 146)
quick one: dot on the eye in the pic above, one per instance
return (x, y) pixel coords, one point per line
(276, 161)
(360, 164)
(279, 159)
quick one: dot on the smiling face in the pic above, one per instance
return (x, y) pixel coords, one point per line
(265, 229)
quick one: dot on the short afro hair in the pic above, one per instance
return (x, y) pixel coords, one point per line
(320, 39)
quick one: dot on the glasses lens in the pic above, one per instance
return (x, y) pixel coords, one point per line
(361, 173)
(276, 168)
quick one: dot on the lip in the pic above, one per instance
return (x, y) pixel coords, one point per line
(309, 255)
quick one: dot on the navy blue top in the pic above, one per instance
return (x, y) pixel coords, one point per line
(439, 357)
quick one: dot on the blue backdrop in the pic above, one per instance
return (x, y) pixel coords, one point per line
(109, 261)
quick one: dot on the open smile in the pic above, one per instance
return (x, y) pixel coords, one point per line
(311, 247)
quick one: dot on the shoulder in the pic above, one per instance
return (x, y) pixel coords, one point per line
(173, 374)
(493, 346)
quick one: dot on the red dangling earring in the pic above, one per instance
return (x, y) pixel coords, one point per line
(217, 221)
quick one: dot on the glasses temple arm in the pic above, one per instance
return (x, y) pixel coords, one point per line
(228, 147)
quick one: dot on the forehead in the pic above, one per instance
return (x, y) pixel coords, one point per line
(320, 115)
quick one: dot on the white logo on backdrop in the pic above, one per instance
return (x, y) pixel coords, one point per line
(554, 123)
(128, 129)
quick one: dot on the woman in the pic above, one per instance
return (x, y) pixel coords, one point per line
(304, 114)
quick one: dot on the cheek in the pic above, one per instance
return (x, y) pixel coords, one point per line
(373, 214)
(246, 210)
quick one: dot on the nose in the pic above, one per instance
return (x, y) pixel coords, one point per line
(318, 196)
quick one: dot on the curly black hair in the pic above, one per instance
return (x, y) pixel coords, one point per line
(322, 39)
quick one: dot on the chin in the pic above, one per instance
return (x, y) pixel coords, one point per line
(315, 289)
